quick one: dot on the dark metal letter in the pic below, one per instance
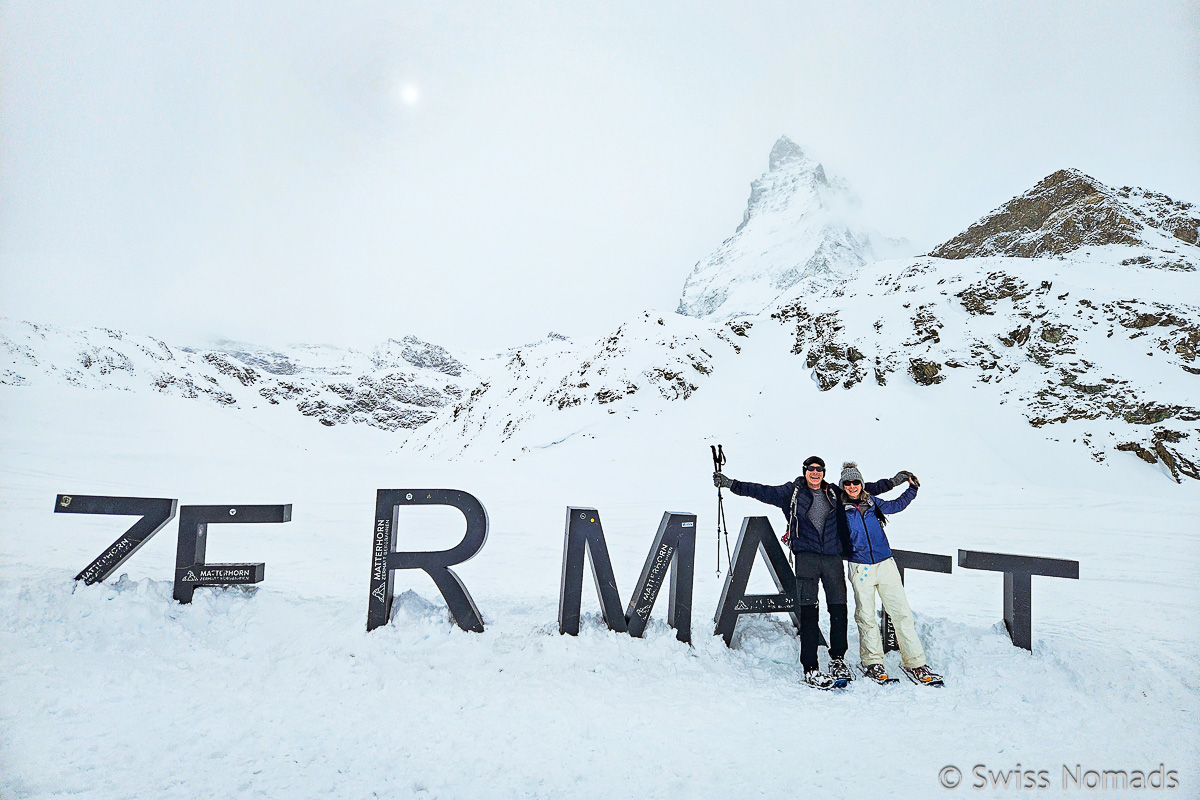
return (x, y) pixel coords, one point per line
(436, 563)
(1018, 585)
(584, 532)
(910, 559)
(155, 513)
(675, 547)
(756, 536)
(190, 568)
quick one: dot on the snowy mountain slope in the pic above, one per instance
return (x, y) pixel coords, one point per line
(1104, 355)
(1073, 296)
(1069, 211)
(548, 391)
(799, 223)
(398, 385)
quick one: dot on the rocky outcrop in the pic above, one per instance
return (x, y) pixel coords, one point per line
(926, 373)
(1069, 211)
(833, 362)
(411, 351)
(1163, 447)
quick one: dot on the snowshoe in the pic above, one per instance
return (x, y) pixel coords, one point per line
(924, 676)
(839, 669)
(819, 680)
(877, 673)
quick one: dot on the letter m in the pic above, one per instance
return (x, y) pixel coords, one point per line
(673, 550)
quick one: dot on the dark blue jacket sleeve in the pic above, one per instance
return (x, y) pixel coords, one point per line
(779, 496)
(878, 487)
(899, 504)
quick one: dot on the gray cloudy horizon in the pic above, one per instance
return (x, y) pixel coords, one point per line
(477, 176)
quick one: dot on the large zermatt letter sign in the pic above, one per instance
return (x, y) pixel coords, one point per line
(674, 549)
(756, 536)
(1018, 585)
(385, 558)
(154, 513)
(191, 569)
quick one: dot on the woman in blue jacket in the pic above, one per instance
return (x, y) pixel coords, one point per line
(870, 569)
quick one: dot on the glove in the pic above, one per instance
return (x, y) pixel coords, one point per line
(913, 480)
(900, 477)
(721, 482)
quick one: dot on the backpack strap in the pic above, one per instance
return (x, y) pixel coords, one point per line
(793, 523)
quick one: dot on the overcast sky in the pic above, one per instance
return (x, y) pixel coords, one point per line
(479, 174)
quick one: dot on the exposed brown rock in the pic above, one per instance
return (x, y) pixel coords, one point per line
(1069, 210)
(1162, 448)
(926, 373)
(1018, 336)
(1051, 335)
(1141, 452)
(981, 297)
(1065, 211)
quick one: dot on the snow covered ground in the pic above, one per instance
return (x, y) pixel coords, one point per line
(115, 691)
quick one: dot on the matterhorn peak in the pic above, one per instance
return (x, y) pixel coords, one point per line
(799, 223)
(785, 152)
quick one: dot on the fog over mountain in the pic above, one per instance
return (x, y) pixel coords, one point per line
(351, 173)
(799, 223)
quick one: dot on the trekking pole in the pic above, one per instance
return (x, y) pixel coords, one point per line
(720, 505)
(718, 454)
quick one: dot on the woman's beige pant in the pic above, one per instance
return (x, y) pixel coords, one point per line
(884, 578)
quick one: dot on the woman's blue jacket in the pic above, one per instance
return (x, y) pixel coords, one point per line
(868, 542)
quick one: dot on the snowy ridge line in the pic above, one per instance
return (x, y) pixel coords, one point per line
(397, 386)
(544, 393)
(1103, 354)
(1069, 210)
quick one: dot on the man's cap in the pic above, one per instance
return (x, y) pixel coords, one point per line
(808, 462)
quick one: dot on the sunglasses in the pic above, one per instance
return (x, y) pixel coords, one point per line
(814, 468)
(851, 483)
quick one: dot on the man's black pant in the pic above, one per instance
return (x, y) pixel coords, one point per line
(811, 569)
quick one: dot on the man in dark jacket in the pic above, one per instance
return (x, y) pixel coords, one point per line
(811, 507)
